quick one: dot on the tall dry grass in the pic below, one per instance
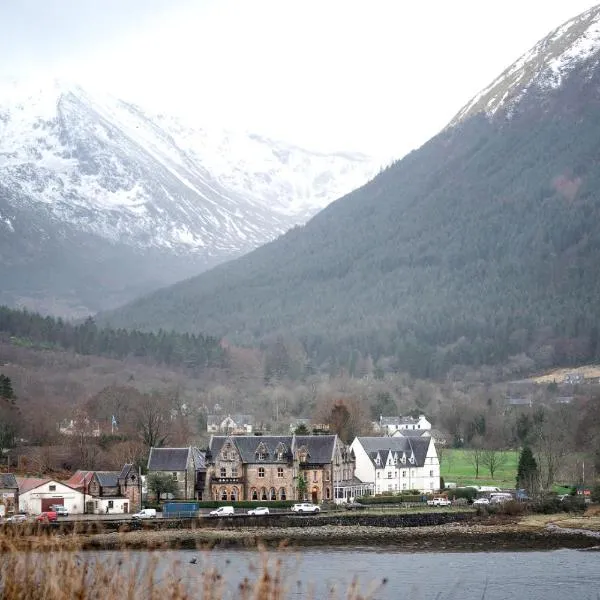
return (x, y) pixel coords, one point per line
(37, 566)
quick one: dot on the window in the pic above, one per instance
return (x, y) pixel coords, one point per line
(404, 486)
(223, 472)
(327, 494)
(234, 494)
(261, 455)
(389, 474)
(234, 472)
(223, 494)
(279, 471)
(302, 458)
(403, 473)
(111, 504)
(314, 476)
(261, 471)
(272, 494)
(174, 475)
(282, 494)
(263, 493)
(430, 473)
(389, 487)
(254, 494)
(52, 488)
(327, 475)
(378, 474)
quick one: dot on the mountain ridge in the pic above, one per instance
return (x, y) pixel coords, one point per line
(474, 249)
(91, 167)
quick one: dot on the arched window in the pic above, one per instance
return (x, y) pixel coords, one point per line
(272, 494)
(263, 493)
(254, 494)
(261, 471)
(282, 494)
(224, 494)
(234, 494)
(223, 472)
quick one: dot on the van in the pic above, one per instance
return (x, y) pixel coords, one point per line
(222, 511)
(145, 513)
(60, 510)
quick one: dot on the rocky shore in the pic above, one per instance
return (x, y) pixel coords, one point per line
(447, 538)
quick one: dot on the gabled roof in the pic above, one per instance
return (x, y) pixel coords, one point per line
(168, 459)
(320, 447)
(26, 484)
(8, 481)
(127, 468)
(199, 458)
(416, 446)
(107, 478)
(80, 479)
(248, 444)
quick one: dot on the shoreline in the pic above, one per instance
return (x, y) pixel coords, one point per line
(442, 538)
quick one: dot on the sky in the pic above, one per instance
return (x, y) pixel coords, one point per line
(377, 76)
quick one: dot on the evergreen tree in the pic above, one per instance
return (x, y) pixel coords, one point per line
(527, 471)
(6, 389)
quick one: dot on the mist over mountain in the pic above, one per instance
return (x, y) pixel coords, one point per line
(101, 201)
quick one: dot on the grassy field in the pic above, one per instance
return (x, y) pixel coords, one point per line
(457, 466)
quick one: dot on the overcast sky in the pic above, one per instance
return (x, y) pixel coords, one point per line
(381, 76)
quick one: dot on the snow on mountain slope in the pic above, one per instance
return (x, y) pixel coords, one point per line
(544, 67)
(112, 170)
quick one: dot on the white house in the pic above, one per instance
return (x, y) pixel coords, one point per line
(236, 424)
(389, 425)
(37, 495)
(396, 464)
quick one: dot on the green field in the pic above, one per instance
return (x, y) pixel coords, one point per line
(457, 466)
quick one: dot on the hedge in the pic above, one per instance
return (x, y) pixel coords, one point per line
(248, 503)
(390, 499)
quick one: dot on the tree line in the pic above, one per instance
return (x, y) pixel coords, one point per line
(170, 348)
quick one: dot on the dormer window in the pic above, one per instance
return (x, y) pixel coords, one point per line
(412, 460)
(261, 455)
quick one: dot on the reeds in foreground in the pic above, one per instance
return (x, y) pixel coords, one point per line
(55, 568)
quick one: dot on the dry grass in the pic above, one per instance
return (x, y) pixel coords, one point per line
(558, 375)
(566, 520)
(49, 567)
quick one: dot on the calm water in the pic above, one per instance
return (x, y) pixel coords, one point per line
(314, 573)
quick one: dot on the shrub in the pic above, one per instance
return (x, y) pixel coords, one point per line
(469, 493)
(596, 492)
(390, 499)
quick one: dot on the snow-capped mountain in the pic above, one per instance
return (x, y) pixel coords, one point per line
(77, 163)
(573, 45)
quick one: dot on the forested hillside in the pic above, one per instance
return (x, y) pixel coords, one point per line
(480, 246)
(169, 348)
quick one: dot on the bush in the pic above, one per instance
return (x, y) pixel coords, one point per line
(596, 492)
(468, 493)
(248, 503)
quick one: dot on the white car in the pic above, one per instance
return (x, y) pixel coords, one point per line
(481, 501)
(439, 502)
(305, 507)
(145, 513)
(19, 518)
(259, 510)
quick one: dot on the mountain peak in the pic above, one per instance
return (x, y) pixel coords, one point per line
(575, 43)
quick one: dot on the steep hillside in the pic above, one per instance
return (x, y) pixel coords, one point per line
(481, 245)
(101, 201)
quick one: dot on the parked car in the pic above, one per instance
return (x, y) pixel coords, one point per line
(145, 513)
(439, 501)
(305, 507)
(259, 510)
(48, 516)
(60, 510)
(222, 511)
(481, 501)
(20, 518)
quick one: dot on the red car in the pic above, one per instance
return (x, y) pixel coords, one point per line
(47, 517)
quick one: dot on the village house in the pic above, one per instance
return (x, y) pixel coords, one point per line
(185, 465)
(269, 468)
(389, 425)
(38, 495)
(397, 464)
(229, 425)
(9, 494)
(106, 492)
(441, 439)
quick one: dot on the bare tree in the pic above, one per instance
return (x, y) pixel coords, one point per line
(476, 456)
(153, 419)
(493, 460)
